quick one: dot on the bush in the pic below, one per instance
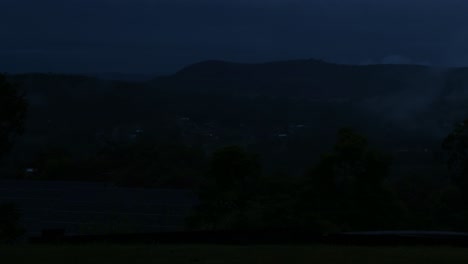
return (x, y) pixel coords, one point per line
(10, 229)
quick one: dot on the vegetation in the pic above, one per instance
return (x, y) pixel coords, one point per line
(456, 145)
(279, 110)
(10, 228)
(12, 114)
(251, 140)
(344, 191)
(231, 183)
(349, 189)
(231, 254)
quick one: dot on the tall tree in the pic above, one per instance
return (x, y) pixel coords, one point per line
(12, 113)
(456, 146)
(10, 228)
(347, 185)
(230, 184)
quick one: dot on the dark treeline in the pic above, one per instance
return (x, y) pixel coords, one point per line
(349, 189)
(287, 111)
(262, 144)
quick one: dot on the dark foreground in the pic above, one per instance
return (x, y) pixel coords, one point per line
(101, 254)
(263, 237)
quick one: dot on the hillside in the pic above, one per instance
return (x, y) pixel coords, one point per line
(407, 97)
(274, 108)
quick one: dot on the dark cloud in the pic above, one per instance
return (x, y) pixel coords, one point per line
(153, 36)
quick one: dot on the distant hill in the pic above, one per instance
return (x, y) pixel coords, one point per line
(408, 96)
(275, 107)
(116, 76)
(311, 78)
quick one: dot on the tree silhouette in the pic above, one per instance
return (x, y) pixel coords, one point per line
(9, 223)
(347, 186)
(456, 146)
(230, 184)
(12, 113)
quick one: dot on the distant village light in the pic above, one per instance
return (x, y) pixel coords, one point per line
(30, 170)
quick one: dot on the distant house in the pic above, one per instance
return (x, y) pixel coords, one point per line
(96, 208)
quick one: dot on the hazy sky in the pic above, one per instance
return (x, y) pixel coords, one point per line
(148, 36)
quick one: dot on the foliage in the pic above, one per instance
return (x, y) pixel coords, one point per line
(347, 186)
(456, 145)
(232, 167)
(12, 113)
(345, 190)
(9, 223)
(231, 182)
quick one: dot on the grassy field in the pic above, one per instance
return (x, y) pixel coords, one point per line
(101, 254)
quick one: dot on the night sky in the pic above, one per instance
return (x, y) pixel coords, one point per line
(161, 36)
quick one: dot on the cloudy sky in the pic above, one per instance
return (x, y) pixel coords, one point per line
(161, 36)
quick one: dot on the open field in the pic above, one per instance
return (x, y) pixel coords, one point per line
(100, 254)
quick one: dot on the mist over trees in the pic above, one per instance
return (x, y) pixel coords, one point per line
(262, 144)
(273, 107)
